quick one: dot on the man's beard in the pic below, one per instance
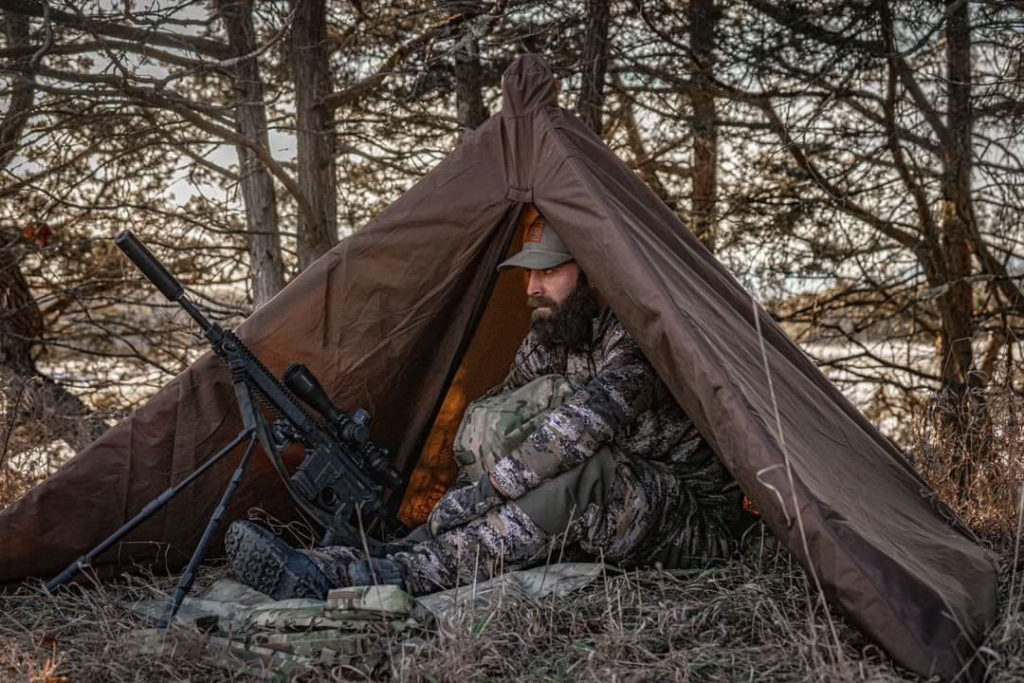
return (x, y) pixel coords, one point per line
(570, 324)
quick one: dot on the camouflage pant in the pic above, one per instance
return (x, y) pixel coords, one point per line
(623, 510)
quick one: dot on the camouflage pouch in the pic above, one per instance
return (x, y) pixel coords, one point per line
(495, 426)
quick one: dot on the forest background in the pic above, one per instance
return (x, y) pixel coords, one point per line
(856, 163)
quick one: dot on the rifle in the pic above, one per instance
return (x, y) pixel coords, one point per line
(343, 471)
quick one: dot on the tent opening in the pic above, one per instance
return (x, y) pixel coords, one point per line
(491, 348)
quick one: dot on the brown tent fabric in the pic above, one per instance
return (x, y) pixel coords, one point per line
(386, 318)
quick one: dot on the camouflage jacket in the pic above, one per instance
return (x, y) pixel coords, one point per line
(619, 402)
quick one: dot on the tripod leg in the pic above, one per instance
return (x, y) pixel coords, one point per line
(200, 552)
(143, 515)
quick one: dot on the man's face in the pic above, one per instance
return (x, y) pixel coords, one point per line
(549, 289)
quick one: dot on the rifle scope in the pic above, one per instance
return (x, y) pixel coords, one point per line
(304, 384)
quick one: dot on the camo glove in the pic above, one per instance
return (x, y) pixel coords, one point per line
(462, 505)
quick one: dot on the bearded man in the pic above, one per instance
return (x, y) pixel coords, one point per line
(581, 453)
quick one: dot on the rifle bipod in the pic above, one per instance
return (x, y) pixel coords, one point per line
(254, 423)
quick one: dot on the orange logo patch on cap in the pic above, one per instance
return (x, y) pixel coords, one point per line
(534, 231)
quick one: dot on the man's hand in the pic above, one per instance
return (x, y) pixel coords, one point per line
(462, 505)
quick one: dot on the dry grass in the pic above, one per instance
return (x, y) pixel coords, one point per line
(991, 503)
(749, 620)
(753, 619)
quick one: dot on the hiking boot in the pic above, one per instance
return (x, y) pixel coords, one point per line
(262, 560)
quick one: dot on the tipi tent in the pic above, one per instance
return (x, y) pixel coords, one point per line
(409, 318)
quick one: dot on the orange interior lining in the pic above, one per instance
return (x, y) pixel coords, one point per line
(505, 322)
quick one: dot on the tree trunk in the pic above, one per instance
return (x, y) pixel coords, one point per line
(469, 73)
(703, 22)
(962, 386)
(35, 398)
(590, 105)
(263, 238)
(22, 95)
(315, 134)
(944, 251)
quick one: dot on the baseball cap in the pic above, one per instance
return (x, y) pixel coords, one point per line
(542, 248)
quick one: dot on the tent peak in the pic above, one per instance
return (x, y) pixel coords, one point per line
(527, 83)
